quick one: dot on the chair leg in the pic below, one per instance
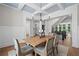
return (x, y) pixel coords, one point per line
(53, 51)
(35, 54)
(57, 50)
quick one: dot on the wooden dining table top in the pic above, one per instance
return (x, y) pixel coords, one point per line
(34, 41)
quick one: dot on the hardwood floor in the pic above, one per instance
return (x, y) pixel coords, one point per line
(4, 51)
(71, 52)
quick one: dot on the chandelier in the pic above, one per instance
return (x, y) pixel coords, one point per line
(42, 34)
(40, 16)
(40, 12)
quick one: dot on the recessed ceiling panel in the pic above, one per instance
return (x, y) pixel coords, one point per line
(41, 4)
(28, 9)
(15, 5)
(65, 5)
(52, 9)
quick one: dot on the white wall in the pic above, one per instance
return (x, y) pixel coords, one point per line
(78, 25)
(8, 33)
(75, 26)
(31, 28)
(12, 25)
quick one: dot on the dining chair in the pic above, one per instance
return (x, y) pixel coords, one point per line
(68, 40)
(63, 50)
(46, 49)
(25, 50)
(27, 36)
(55, 44)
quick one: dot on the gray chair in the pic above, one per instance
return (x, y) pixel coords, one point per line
(55, 44)
(24, 50)
(45, 50)
(63, 50)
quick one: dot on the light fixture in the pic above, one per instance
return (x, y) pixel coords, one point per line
(40, 24)
(40, 12)
(42, 34)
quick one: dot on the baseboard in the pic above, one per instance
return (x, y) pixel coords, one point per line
(6, 47)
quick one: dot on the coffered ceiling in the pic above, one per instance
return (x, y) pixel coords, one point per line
(33, 10)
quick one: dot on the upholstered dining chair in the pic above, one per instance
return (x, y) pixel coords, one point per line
(22, 51)
(27, 36)
(55, 44)
(68, 40)
(63, 50)
(45, 50)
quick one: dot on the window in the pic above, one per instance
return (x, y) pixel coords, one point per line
(56, 28)
(64, 27)
(68, 27)
(59, 27)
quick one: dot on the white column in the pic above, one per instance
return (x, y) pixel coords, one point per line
(78, 25)
(31, 28)
(75, 18)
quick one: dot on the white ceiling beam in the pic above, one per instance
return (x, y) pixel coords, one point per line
(57, 13)
(60, 6)
(33, 6)
(36, 8)
(43, 8)
(39, 12)
(48, 6)
(20, 6)
(36, 12)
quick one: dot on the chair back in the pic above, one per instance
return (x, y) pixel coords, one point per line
(54, 40)
(68, 40)
(49, 46)
(17, 47)
(27, 36)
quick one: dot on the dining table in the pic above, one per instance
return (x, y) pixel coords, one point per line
(36, 40)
